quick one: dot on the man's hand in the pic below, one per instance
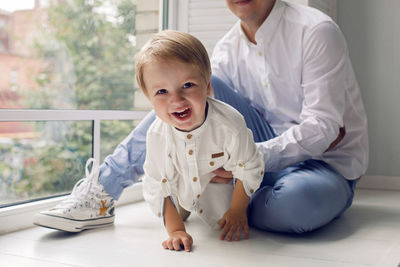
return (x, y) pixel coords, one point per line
(222, 176)
(178, 240)
(233, 223)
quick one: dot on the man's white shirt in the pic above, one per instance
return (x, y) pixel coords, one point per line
(180, 164)
(300, 78)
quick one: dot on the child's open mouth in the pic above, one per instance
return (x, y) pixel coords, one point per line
(183, 114)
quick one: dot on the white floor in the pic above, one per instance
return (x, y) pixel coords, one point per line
(368, 234)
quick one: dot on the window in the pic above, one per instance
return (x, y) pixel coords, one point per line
(67, 89)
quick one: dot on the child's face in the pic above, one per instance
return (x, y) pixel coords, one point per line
(177, 92)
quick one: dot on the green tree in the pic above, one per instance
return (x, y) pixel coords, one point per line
(99, 61)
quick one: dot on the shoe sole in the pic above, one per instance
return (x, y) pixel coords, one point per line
(71, 225)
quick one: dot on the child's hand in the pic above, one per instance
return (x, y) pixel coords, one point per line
(178, 240)
(233, 223)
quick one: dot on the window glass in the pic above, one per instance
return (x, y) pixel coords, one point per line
(41, 159)
(113, 133)
(75, 54)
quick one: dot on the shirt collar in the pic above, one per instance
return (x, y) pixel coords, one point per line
(192, 135)
(265, 32)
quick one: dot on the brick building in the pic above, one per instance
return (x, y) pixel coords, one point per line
(18, 64)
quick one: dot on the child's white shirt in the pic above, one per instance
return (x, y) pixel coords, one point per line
(180, 164)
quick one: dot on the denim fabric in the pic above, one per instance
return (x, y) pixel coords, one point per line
(297, 199)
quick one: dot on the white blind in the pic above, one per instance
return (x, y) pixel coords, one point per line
(208, 20)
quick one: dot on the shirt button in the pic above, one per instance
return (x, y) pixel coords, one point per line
(159, 214)
(198, 196)
(189, 136)
(211, 163)
(262, 172)
(164, 180)
(251, 191)
(240, 164)
(194, 179)
(190, 152)
(260, 54)
(201, 211)
(265, 84)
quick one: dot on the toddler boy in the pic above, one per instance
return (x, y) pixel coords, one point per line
(192, 136)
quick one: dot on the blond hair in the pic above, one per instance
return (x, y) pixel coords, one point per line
(173, 45)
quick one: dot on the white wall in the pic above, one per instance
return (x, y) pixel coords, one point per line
(372, 31)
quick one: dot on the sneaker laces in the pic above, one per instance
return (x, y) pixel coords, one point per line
(86, 190)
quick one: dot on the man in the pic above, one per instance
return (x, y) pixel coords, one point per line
(295, 86)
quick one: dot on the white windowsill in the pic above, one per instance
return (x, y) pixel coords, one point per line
(20, 217)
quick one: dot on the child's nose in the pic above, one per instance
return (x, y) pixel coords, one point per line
(177, 98)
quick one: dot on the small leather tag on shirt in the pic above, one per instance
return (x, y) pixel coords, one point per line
(217, 155)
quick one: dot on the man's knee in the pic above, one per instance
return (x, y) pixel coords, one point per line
(294, 207)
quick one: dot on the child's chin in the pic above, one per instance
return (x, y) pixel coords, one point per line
(187, 127)
(184, 129)
(184, 126)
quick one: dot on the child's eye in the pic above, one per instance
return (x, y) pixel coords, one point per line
(161, 92)
(188, 85)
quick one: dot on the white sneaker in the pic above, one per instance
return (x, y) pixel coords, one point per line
(88, 206)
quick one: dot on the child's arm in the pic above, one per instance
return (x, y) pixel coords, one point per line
(234, 220)
(175, 228)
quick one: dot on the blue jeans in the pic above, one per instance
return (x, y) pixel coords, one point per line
(299, 198)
